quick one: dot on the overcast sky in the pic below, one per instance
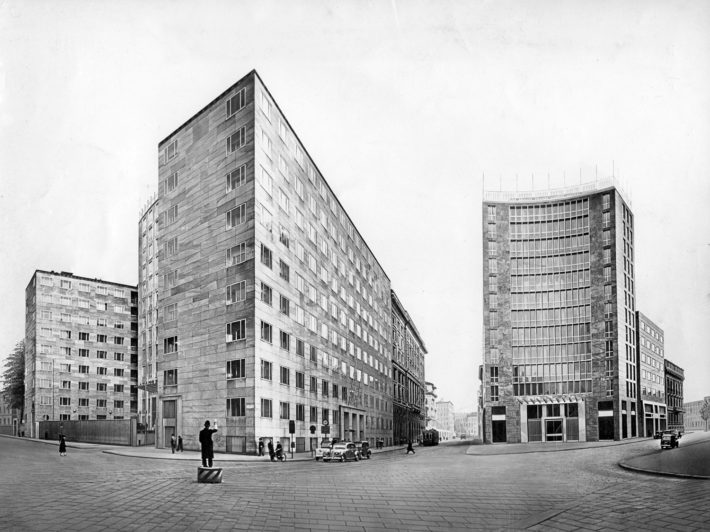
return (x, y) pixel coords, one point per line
(404, 106)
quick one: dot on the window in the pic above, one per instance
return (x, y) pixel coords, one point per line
(266, 256)
(101, 371)
(325, 388)
(285, 376)
(84, 401)
(83, 352)
(283, 132)
(236, 369)
(300, 348)
(118, 340)
(83, 369)
(171, 247)
(285, 340)
(118, 372)
(283, 200)
(100, 403)
(65, 401)
(314, 386)
(170, 409)
(284, 410)
(236, 178)
(170, 345)
(65, 351)
(237, 254)
(170, 279)
(284, 236)
(236, 331)
(66, 385)
(300, 380)
(236, 292)
(326, 415)
(266, 294)
(606, 255)
(606, 219)
(118, 388)
(299, 156)
(266, 370)
(171, 215)
(236, 407)
(170, 377)
(335, 391)
(170, 150)
(265, 104)
(266, 408)
(101, 354)
(236, 102)
(118, 404)
(284, 305)
(236, 216)
(606, 201)
(171, 182)
(236, 140)
(300, 412)
(100, 386)
(64, 283)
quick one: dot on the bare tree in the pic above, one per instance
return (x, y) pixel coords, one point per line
(705, 412)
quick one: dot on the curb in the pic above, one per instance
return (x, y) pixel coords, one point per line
(593, 445)
(661, 473)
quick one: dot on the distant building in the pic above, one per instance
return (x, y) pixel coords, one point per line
(445, 421)
(81, 341)
(651, 377)
(674, 395)
(408, 350)
(430, 399)
(9, 418)
(692, 415)
(559, 361)
(466, 424)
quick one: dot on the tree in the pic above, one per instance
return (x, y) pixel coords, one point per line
(14, 377)
(705, 412)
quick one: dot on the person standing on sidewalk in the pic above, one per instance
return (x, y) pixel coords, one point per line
(271, 450)
(260, 452)
(206, 443)
(179, 447)
(409, 447)
(172, 443)
(62, 445)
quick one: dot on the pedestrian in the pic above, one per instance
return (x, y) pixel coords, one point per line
(409, 447)
(173, 443)
(261, 447)
(179, 447)
(271, 450)
(206, 443)
(62, 445)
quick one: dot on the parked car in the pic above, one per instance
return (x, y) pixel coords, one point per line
(323, 448)
(342, 451)
(363, 448)
(657, 435)
(669, 439)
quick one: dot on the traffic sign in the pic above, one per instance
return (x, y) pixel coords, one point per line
(325, 422)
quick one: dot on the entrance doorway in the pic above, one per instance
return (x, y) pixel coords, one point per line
(553, 429)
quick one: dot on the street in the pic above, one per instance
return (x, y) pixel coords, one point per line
(437, 488)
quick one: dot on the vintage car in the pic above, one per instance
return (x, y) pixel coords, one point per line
(669, 439)
(657, 435)
(363, 448)
(323, 448)
(342, 452)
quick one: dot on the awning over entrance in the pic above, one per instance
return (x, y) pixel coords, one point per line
(549, 399)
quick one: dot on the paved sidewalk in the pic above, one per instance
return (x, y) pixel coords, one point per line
(480, 449)
(691, 459)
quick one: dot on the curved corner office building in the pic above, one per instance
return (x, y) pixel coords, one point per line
(559, 361)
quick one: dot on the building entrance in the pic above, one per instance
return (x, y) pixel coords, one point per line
(553, 430)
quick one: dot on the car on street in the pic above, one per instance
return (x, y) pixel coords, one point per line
(669, 439)
(323, 448)
(342, 452)
(657, 435)
(363, 448)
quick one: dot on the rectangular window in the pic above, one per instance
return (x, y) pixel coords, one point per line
(266, 256)
(118, 356)
(101, 354)
(314, 385)
(100, 386)
(171, 247)
(65, 401)
(285, 340)
(236, 292)
(236, 216)
(325, 388)
(101, 371)
(83, 352)
(118, 372)
(236, 140)
(313, 414)
(300, 348)
(236, 103)
(66, 385)
(171, 312)
(84, 401)
(100, 403)
(236, 178)
(265, 104)
(283, 200)
(284, 305)
(284, 271)
(170, 377)
(266, 370)
(171, 215)
(170, 150)
(236, 407)
(284, 236)
(300, 380)
(236, 331)
(266, 408)
(170, 345)
(171, 182)
(236, 254)
(118, 388)
(236, 369)
(285, 410)
(285, 376)
(266, 294)
(83, 369)
(300, 412)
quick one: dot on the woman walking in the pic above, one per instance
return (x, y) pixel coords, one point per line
(62, 446)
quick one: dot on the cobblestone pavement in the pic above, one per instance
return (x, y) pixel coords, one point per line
(437, 488)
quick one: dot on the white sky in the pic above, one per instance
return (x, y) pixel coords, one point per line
(403, 106)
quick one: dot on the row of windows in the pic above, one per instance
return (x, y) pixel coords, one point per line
(83, 401)
(552, 228)
(549, 281)
(83, 286)
(557, 316)
(82, 303)
(558, 298)
(84, 320)
(560, 334)
(571, 352)
(67, 368)
(552, 388)
(82, 385)
(550, 246)
(82, 336)
(550, 264)
(549, 211)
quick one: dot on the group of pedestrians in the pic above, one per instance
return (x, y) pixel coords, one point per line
(274, 453)
(176, 445)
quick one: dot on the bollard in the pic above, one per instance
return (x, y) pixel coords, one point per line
(209, 475)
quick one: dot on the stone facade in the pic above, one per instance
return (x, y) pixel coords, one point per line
(271, 307)
(80, 349)
(559, 358)
(651, 382)
(674, 377)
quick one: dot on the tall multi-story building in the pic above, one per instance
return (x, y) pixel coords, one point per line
(80, 349)
(408, 350)
(148, 284)
(674, 377)
(559, 361)
(445, 420)
(430, 399)
(651, 381)
(271, 307)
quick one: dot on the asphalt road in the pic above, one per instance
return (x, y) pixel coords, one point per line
(437, 488)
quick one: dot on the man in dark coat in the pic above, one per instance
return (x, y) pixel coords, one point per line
(206, 443)
(271, 450)
(261, 447)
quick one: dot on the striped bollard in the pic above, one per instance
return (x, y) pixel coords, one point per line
(209, 475)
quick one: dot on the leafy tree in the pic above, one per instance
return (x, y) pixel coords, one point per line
(14, 377)
(705, 412)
